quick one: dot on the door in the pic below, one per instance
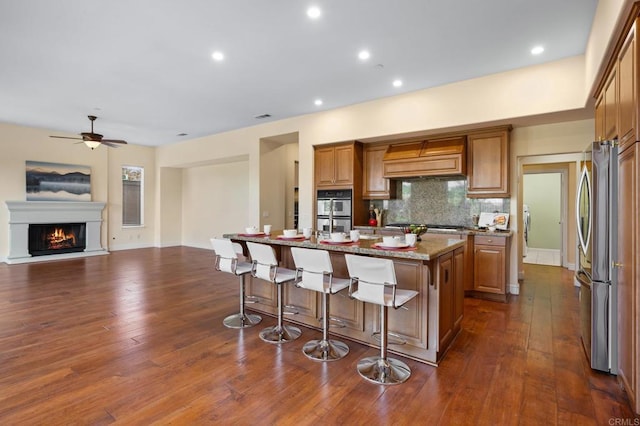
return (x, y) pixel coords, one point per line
(544, 205)
(583, 218)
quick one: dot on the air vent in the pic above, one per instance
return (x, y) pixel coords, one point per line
(261, 116)
(182, 134)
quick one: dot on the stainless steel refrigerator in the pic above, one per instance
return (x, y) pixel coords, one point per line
(596, 213)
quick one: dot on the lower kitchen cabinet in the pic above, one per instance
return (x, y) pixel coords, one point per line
(450, 279)
(491, 266)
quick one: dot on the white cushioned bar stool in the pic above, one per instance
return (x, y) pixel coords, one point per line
(265, 267)
(227, 261)
(315, 272)
(376, 283)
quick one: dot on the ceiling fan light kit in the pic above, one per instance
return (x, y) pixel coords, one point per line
(94, 140)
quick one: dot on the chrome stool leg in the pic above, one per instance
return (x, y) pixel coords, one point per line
(325, 349)
(280, 333)
(241, 320)
(381, 369)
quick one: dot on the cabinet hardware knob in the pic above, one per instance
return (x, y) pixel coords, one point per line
(617, 265)
(489, 241)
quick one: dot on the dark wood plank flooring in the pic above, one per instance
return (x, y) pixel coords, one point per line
(136, 337)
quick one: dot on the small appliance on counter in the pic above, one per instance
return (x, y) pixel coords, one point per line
(498, 220)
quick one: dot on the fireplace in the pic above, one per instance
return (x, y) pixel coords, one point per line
(57, 238)
(50, 230)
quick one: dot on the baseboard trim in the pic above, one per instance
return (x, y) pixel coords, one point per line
(514, 289)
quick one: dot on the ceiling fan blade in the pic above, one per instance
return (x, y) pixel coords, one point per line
(108, 143)
(64, 137)
(120, 141)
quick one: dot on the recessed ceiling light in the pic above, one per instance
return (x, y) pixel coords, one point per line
(217, 56)
(537, 50)
(397, 83)
(364, 55)
(314, 12)
(318, 102)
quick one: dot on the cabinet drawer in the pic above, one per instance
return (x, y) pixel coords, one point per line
(490, 240)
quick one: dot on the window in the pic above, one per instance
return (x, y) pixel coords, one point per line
(132, 196)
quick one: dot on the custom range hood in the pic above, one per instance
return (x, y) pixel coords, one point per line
(440, 157)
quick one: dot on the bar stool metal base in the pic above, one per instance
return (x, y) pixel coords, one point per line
(325, 350)
(388, 371)
(241, 320)
(284, 334)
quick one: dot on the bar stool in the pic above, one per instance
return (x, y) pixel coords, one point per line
(315, 272)
(265, 267)
(227, 261)
(376, 282)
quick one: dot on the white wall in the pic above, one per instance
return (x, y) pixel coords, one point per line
(215, 201)
(21, 144)
(131, 237)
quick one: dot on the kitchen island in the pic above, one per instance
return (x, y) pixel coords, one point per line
(429, 324)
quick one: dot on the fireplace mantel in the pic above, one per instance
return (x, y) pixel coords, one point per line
(23, 213)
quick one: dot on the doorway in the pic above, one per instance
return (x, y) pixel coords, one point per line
(567, 165)
(542, 218)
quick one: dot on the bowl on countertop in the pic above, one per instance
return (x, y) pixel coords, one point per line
(290, 233)
(338, 237)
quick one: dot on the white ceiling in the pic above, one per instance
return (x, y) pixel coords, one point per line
(144, 67)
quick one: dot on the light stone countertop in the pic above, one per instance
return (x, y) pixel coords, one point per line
(427, 249)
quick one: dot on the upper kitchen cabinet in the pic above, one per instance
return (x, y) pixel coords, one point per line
(607, 109)
(375, 186)
(488, 163)
(627, 111)
(337, 166)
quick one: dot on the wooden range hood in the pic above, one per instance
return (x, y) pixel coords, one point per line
(441, 157)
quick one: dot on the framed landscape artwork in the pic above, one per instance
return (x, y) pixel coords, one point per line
(57, 182)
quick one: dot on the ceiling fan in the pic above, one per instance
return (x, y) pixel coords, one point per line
(93, 140)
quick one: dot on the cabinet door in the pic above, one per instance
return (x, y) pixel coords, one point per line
(348, 312)
(628, 258)
(409, 322)
(458, 290)
(375, 186)
(446, 290)
(489, 269)
(599, 118)
(343, 165)
(627, 97)
(611, 106)
(324, 163)
(488, 164)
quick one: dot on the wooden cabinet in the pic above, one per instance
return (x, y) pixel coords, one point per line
(610, 106)
(628, 263)
(438, 157)
(335, 166)
(488, 164)
(627, 96)
(450, 281)
(616, 115)
(375, 186)
(490, 265)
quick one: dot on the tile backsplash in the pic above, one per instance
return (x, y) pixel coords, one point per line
(439, 201)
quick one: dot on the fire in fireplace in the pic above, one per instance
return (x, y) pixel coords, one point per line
(58, 238)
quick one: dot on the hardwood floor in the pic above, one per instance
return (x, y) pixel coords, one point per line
(136, 337)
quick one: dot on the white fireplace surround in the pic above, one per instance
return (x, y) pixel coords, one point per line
(23, 213)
